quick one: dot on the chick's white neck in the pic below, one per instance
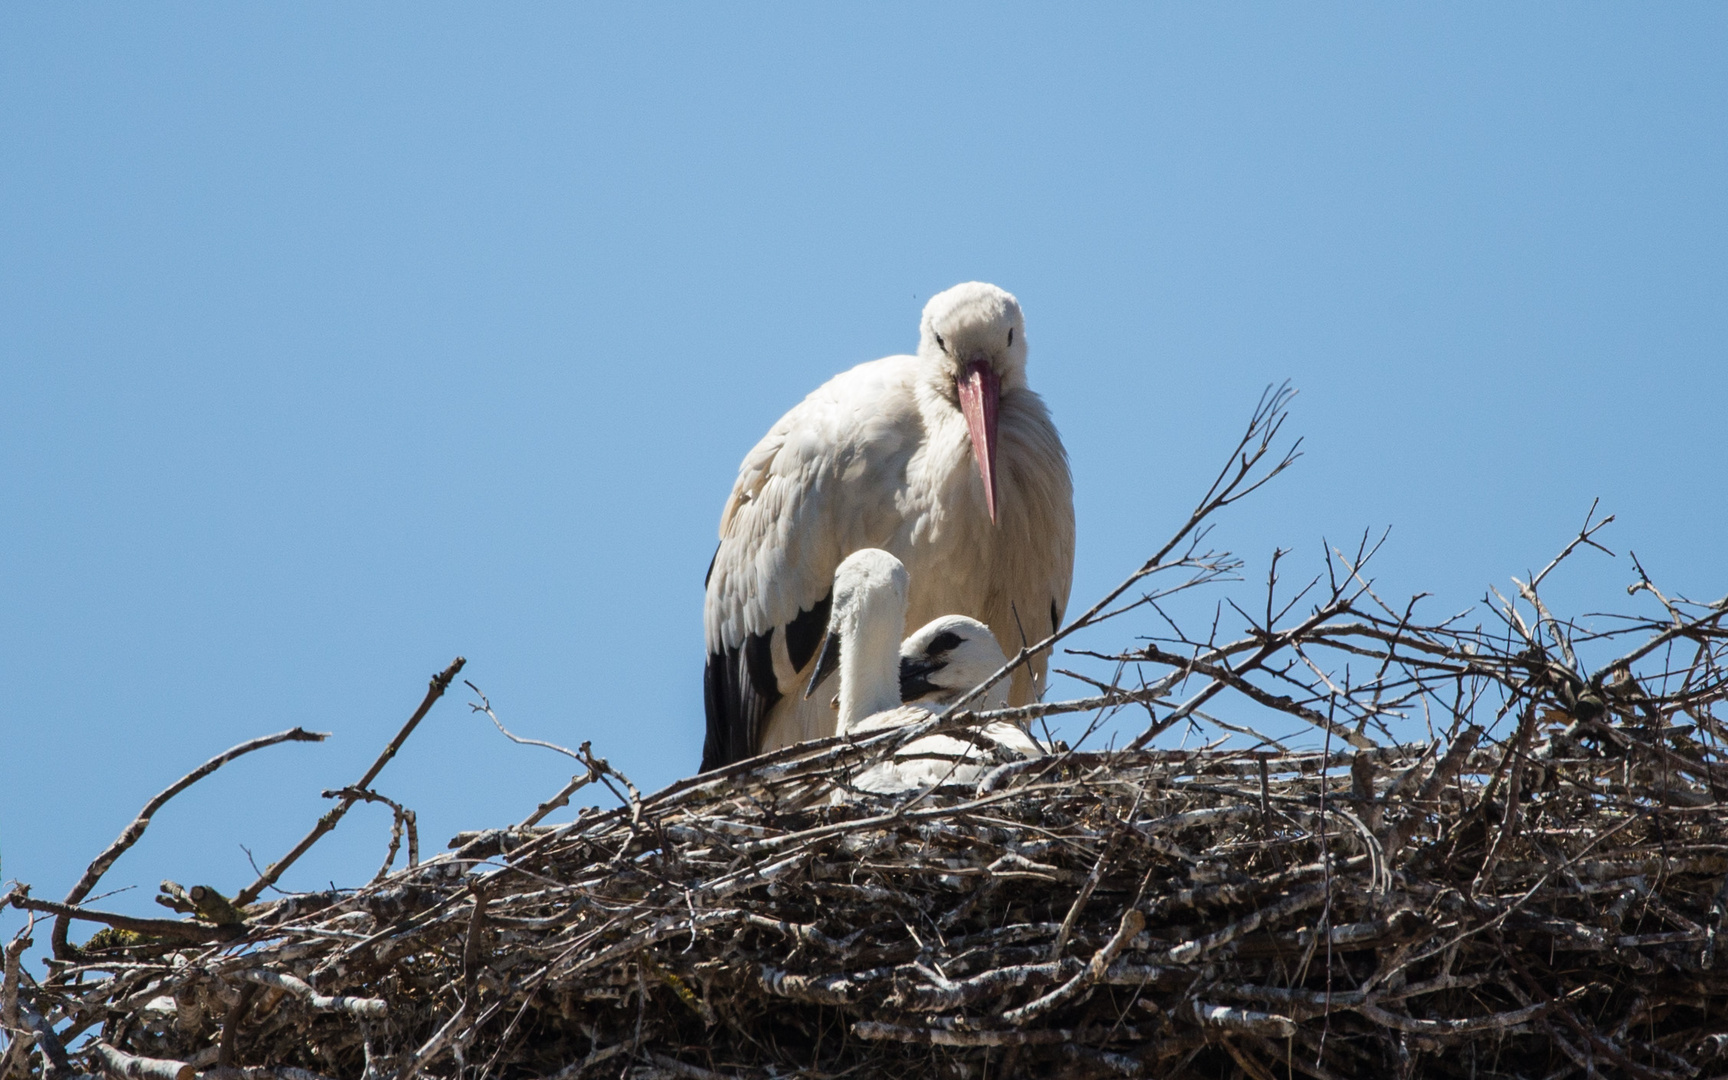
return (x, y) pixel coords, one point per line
(870, 633)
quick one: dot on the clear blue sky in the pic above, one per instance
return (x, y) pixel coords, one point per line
(339, 341)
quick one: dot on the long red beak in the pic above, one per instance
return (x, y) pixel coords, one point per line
(979, 390)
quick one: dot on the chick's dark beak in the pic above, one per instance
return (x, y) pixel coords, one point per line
(827, 660)
(915, 675)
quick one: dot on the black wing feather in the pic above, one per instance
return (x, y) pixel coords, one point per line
(739, 687)
(805, 632)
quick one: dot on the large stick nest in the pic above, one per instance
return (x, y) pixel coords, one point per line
(1536, 890)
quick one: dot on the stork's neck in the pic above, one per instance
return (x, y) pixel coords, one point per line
(870, 658)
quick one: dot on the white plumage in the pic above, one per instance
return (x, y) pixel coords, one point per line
(947, 460)
(948, 656)
(939, 663)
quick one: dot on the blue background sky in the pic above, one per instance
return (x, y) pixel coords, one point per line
(338, 342)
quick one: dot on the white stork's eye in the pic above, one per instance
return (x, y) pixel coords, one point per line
(940, 344)
(1010, 337)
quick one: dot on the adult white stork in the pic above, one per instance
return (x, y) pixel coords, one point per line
(862, 644)
(946, 459)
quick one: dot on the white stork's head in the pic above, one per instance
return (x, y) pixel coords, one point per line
(947, 657)
(865, 623)
(973, 339)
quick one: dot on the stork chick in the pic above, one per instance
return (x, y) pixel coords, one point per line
(944, 660)
(867, 618)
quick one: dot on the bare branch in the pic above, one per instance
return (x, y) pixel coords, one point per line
(131, 834)
(272, 873)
